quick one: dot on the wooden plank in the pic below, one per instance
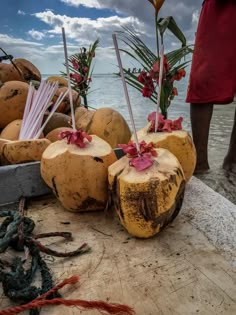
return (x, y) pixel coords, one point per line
(21, 180)
(176, 272)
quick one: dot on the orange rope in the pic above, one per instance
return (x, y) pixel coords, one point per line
(109, 308)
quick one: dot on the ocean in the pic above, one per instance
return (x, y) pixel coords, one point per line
(107, 91)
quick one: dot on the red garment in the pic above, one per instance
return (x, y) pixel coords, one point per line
(213, 71)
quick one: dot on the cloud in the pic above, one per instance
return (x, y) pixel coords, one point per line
(86, 30)
(21, 12)
(36, 34)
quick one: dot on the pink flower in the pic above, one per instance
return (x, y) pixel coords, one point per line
(76, 76)
(142, 77)
(75, 64)
(164, 124)
(85, 68)
(142, 162)
(130, 149)
(75, 137)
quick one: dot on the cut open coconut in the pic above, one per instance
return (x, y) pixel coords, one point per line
(78, 176)
(178, 142)
(148, 200)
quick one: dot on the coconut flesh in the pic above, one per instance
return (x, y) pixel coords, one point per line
(146, 201)
(178, 142)
(78, 176)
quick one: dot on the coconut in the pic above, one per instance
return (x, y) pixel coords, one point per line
(64, 107)
(178, 142)
(61, 81)
(146, 201)
(29, 70)
(53, 135)
(22, 151)
(107, 124)
(12, 130)
(83, 118)
(13, 95)
(56, 121)
(9, 73)
(78, 176)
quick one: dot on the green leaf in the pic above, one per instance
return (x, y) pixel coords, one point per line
(169, 23)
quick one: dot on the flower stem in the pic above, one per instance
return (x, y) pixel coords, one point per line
(85, 101)
(157, 36)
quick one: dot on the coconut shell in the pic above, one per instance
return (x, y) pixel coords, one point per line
(64, 107)
(23, 151)
(107, 124)
(78, 176)
(61, 81)
(12, 130)
(29, 70)
(56, 121)
(13, 95)
(9, 73)
(148, 200)
(177, 142)
(53, 135)
(83, 118)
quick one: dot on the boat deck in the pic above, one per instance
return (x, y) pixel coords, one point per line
(189, 268)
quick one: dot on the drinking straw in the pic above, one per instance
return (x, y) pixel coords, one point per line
(160, 86)
(68, 78)
(27, 109)
(59, 100)
(126, 92)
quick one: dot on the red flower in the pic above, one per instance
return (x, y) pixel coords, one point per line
(142, 162)
(75, 64)
(142, 77)
(147, 92)
(77, 77)
(174, 91)
(144, 159)
(164, 124)
(157, 4)
(75, 137)
(181, 73)
(130, 149)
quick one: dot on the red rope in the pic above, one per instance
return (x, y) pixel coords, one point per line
(109, 308)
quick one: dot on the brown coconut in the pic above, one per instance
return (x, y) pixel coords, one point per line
(13, 95)
(29, 70)
(78, 176)
(12, 130)
(107, 124)
(177, 142)
(56, 121)
(64, 107)
(61, 81)
(9, 73)
(146, 201)
(22, 151)
(53, 135)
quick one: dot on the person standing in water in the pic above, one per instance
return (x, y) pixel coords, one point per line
(213, 76)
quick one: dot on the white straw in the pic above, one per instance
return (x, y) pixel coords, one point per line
(27, 109)
(126, 91)
(55, 107)
(160, 86)
(68, 79)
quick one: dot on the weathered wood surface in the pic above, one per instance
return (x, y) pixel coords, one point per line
(21, 180)
(176, 272)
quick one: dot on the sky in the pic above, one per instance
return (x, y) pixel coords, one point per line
(31, 29)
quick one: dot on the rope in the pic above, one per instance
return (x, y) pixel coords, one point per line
(109, 308)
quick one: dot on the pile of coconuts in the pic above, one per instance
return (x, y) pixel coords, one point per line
(86, 178)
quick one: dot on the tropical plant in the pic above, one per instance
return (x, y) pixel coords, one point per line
(81, 70)
(160, 70)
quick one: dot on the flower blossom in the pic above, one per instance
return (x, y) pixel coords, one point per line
(75, 137)
(142, 160)
(157, 4)
(167, 125)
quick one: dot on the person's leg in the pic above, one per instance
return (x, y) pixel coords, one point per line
(200, 115)
(230, 159)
